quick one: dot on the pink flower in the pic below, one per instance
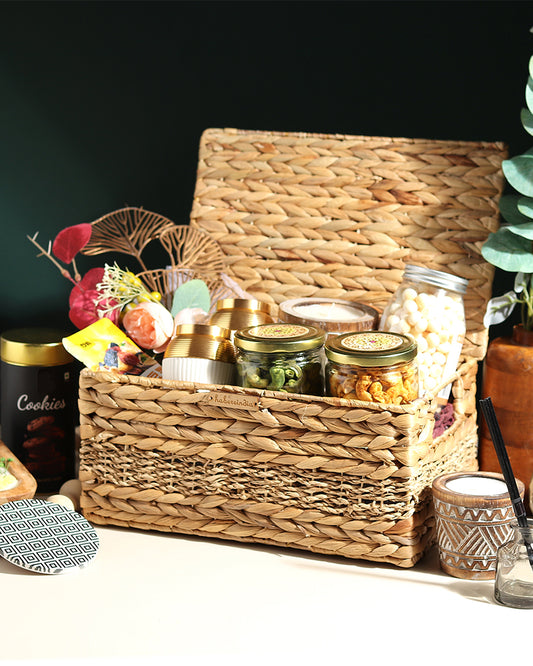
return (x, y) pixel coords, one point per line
(86, 301)
(150, 325)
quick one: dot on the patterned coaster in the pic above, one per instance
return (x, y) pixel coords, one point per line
(45, 537)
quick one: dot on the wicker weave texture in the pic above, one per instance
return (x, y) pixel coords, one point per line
(322, 474)
(339, 216)
(305, 215)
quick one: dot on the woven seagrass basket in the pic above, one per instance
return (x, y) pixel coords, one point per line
(305, 215)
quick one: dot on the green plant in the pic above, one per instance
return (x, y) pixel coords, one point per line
(511, 247)
(4, 464)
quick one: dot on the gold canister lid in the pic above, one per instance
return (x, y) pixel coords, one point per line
(237, 313)
(249, 304)
(34, 346)
(201, 341)
(272, 338)
(371, 349)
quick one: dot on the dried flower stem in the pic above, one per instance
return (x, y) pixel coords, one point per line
(47, 253)
(123, 287)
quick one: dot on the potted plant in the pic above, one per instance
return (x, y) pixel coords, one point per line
(511, 247)
(508, 366)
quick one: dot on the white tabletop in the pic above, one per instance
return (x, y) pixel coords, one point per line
(190, 600)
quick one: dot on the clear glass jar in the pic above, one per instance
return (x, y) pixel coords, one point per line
(281, 357)
(513, 585)
(372, 366)
(428, 305)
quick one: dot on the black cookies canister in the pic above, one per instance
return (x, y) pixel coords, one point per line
(38, 398)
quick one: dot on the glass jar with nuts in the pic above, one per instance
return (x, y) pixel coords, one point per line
(373, 366)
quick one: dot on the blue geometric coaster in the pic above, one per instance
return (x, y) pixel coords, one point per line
(45, 537)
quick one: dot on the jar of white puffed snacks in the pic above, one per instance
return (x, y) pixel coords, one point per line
(428, 306)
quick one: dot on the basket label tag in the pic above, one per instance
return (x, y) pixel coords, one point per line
(232, 400)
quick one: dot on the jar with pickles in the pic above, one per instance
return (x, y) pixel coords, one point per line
(373, 366)
(281, 357)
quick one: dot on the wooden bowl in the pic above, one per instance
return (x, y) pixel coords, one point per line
(27, 485)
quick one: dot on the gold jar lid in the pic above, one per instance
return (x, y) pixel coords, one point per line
(34, 346)
(272, 338)
(371, 349)
(236, 313)
(248, 304)
(201, 341)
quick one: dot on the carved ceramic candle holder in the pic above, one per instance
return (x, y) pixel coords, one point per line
(473, 514)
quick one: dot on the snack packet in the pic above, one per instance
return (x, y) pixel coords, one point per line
(103, 346)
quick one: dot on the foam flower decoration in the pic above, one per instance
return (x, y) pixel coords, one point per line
(124, 288)
(87, 304)
(190, 316)
(150, 325)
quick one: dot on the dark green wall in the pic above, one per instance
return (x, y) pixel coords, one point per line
(102, 104)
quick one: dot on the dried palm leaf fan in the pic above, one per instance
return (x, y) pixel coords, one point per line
(193, 254)
(192, 248)
(128, 231)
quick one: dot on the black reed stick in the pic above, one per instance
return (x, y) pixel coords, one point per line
(518, 505)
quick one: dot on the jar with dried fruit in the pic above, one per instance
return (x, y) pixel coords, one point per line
(428, 305)
(373, 366)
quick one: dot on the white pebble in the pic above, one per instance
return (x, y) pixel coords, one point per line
(433, 340)
(430, 383)
(410, 306)
(422, 344)
(414, 318)
(409, 294)
(72, 489)
(421, 325)
(439, 358)
(392, 320)
(63, 500)
(394, 307)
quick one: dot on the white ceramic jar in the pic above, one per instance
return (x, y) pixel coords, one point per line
(200, 353)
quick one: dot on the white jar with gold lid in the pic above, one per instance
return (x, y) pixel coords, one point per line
(200, 353)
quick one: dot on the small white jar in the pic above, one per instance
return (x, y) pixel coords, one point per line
(200, 353)
(428, 306)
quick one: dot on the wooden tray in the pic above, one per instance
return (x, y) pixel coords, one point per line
(27, 485)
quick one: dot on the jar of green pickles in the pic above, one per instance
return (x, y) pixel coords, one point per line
(373, 366)
(281, 357)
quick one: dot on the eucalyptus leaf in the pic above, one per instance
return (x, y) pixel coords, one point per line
(525, 206)
(519, 173)
(521, 281)
(531, 66)
(527, 120)
(499, 309)
(529, 94)
(191, 294)
(508, 251)
(524, 230)
(510, 211)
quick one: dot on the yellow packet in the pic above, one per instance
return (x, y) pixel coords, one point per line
(104, 346)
